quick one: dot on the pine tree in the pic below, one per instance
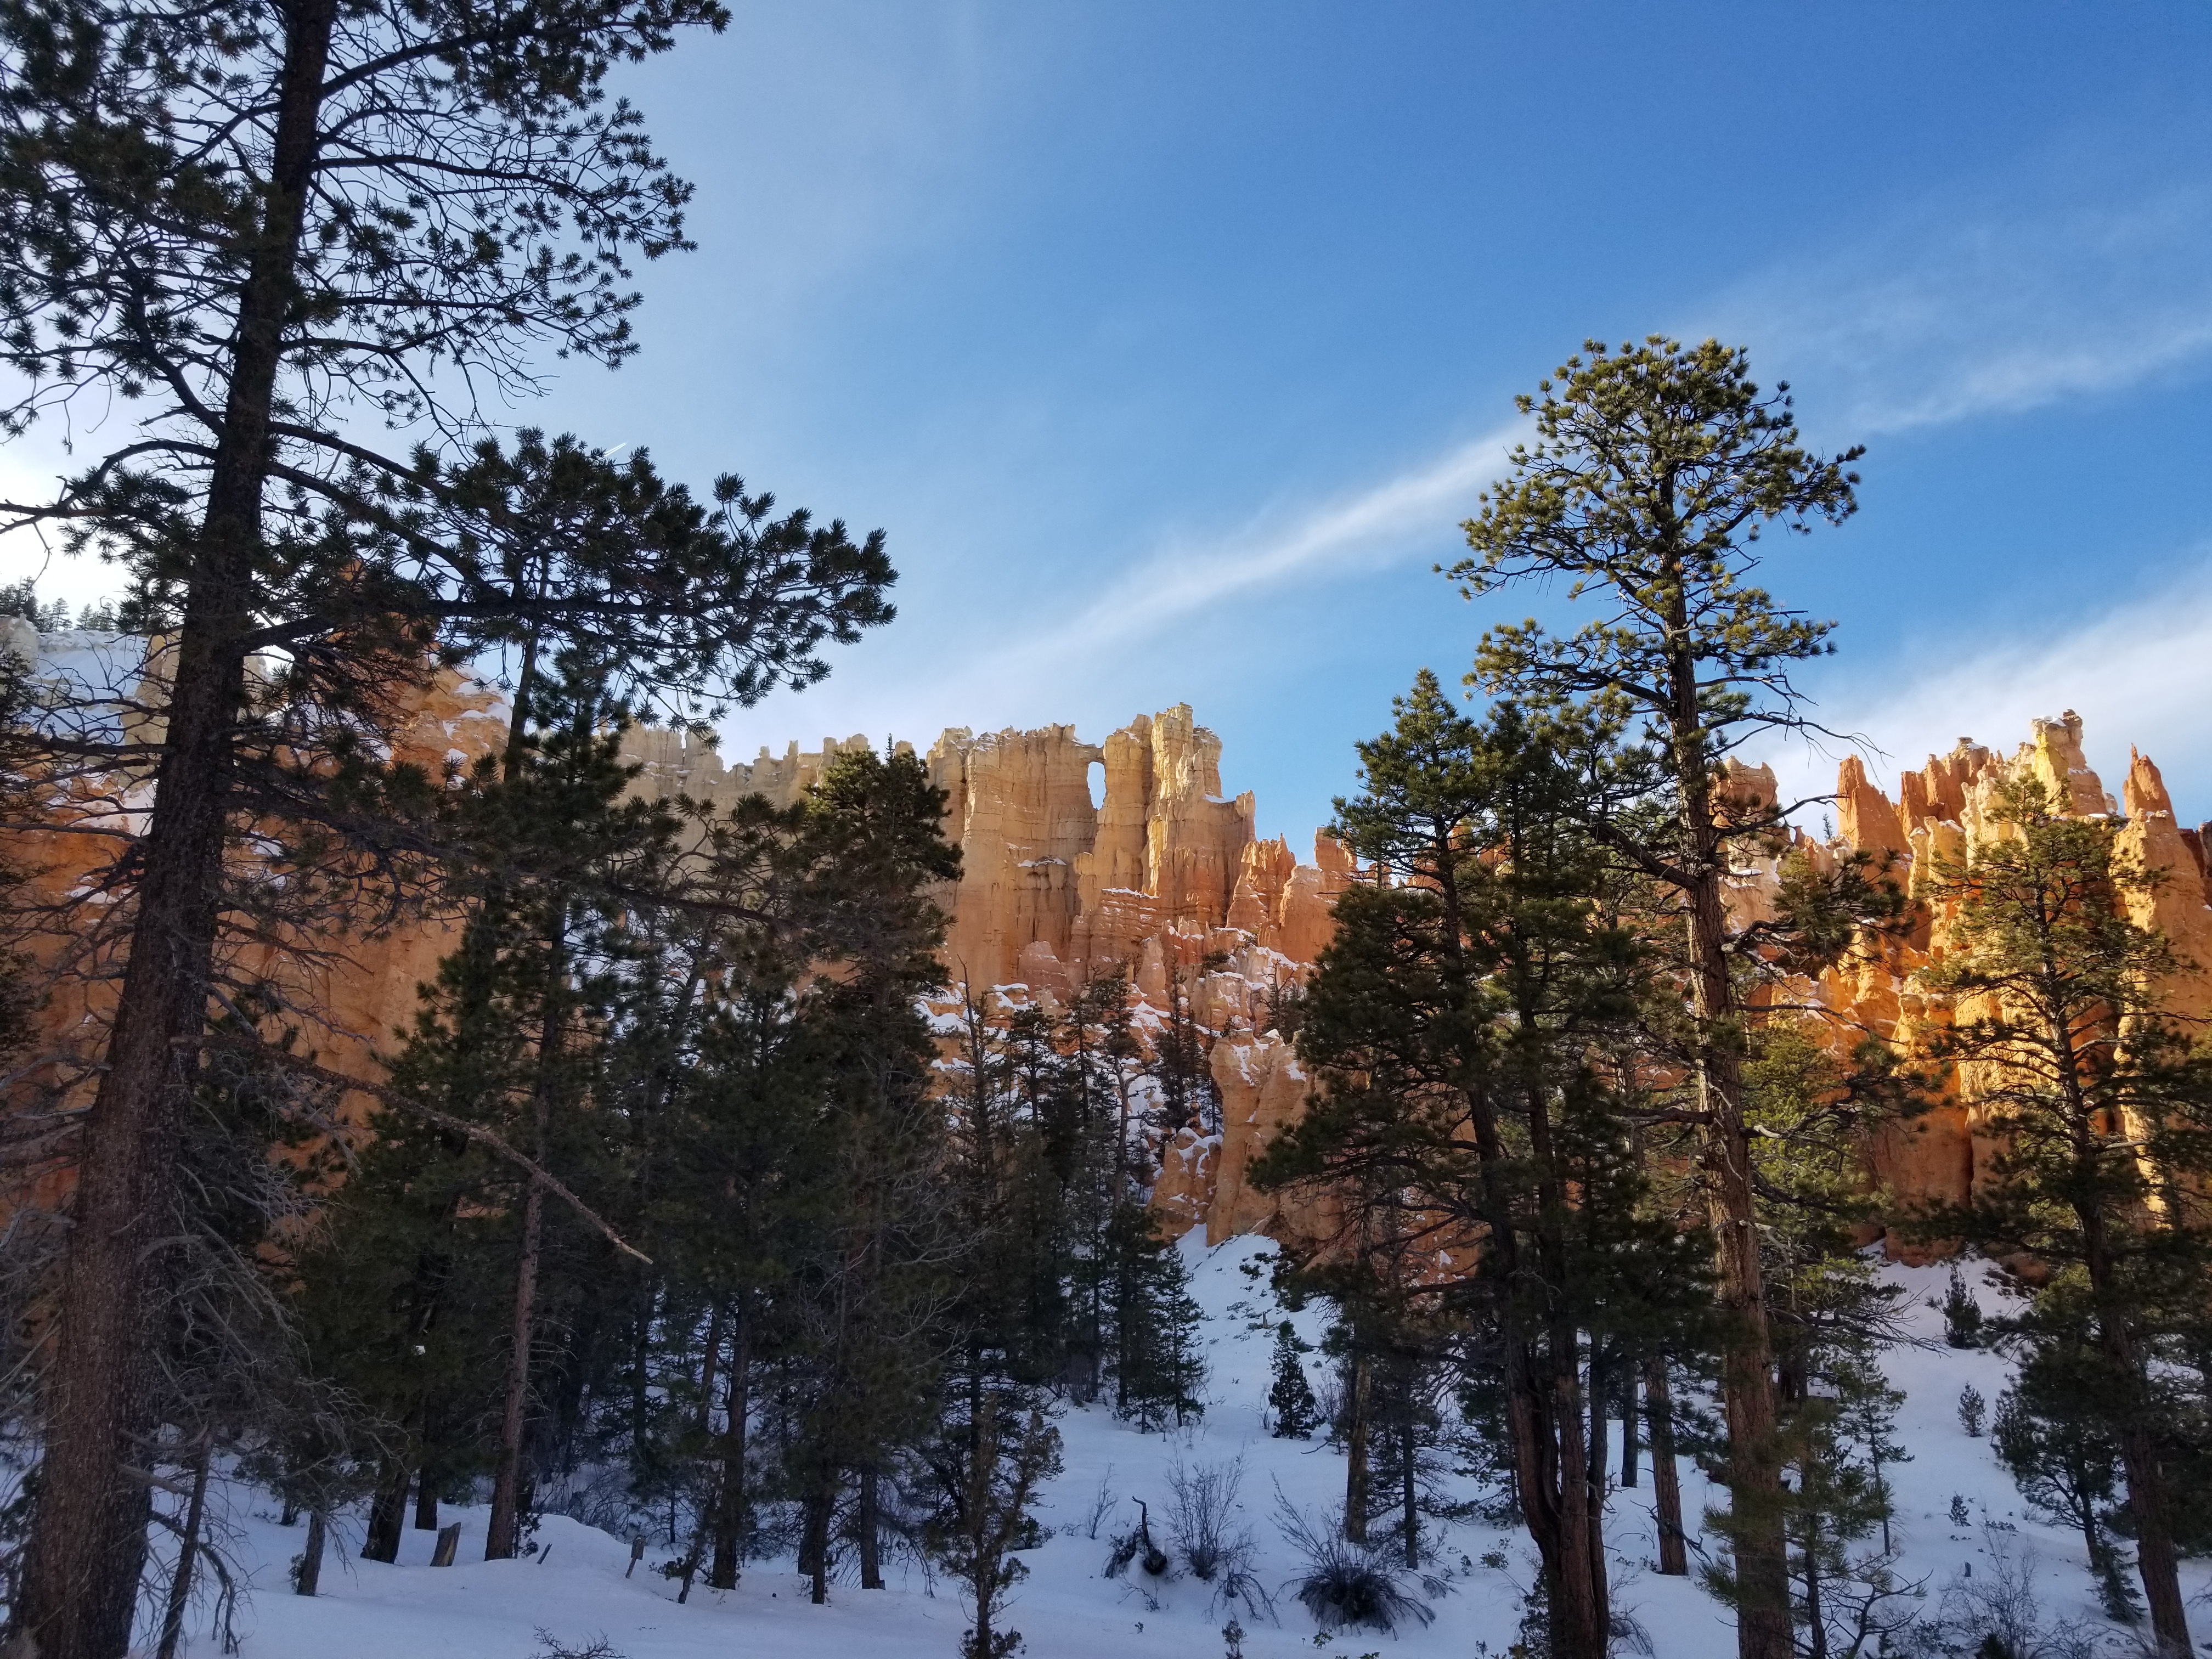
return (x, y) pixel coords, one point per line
(1290, 1396)
(1157, 1367)
(1654, 469)
(193, 253)
(2056, 1444)
(1013, 1451)
(1455, 1018)
(2104, 1117)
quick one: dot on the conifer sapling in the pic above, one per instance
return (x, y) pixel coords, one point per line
(1290, 1397)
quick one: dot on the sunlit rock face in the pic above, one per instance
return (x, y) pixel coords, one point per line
(1154, 875)
(1942, 815)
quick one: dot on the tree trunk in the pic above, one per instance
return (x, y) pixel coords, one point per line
(1816, 1620)
(2155, 1556)
(1599, 1432)
(1628, 1436)
(426, 1502)
(730, 1496)
(180, 1583)
(387, 1516)
(88, 1534)
(1356, 1490)
(867, 1523)
(707, 1364)
(502, 1529)
(1666, 1477)
(1596, 1455)
(814, 1545)
(1580, 1627)
(1409, 1493)
(311, 1556)
(1754, 1472)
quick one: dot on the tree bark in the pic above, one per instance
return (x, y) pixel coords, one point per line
(502, 1529)
(730, 1496)
(1356, 1485)
(814, 1544)
(89, 1535)
(180, 1583)
(1628, 1437)
(426, 1501)
(311, 1555)
(387, 1516)
(867, 1521)
(2156, 1559)
(1409, 1486)
(1666, 1477)
(1755, 1471)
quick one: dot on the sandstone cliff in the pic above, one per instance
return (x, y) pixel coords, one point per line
(1158, 875)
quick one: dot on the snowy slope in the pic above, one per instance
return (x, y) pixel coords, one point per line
(576, 1589)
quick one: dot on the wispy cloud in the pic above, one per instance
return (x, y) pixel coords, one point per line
(1192, 576)
(1944, 315)
(2138, 674)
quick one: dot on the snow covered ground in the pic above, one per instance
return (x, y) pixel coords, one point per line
(575, 1589)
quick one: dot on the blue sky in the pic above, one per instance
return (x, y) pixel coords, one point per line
(1171, 342)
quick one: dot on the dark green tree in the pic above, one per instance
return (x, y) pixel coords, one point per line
(1290, 1397)
(2103, 1113)
(1158, 1368)
(2056, 1443)
(1014, 1451)
(267, 231)
(1457, 1018)
(1653, 471)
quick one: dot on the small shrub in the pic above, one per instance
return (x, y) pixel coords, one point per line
(1136, 1545)
(1343, 1583)
(1959, 1518)
(1972, 1410)
(551, 1647)
(1995, 1614)
(1103, 1503)
(1202, 1525)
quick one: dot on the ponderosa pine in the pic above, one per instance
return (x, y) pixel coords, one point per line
(1653, 470)
(2102, 1113)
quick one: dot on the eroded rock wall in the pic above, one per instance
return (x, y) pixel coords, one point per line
(1941, 816)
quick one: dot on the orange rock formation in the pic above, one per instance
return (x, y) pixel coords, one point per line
(1163, 875)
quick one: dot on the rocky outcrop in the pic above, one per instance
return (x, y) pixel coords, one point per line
(1943, 814)
(1157, 876)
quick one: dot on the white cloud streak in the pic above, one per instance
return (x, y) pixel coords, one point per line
(2139, 674)
(1189, 578)
(1945, 316)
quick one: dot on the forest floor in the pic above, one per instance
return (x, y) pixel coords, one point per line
(574, 1589)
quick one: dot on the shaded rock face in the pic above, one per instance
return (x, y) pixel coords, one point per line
(355, 994)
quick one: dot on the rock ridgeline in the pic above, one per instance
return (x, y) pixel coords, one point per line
(1942, 814)
(1160, 877)
(1053, 889)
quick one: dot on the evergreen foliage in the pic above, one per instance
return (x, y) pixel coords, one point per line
(1653, 470)
(2104, 1113)
(1455, 1018)
(1291, 1399)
